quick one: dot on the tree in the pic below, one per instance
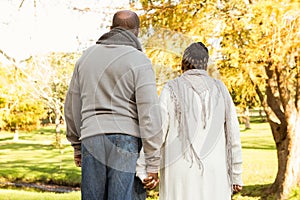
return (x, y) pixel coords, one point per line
(49, 76)
(18, 109)
(235, 59)
(196, 21)
(167, 28)
(37, 85)
(164, 47)
(282, 101)
(265, 38)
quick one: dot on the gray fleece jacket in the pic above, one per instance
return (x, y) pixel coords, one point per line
(113, 90)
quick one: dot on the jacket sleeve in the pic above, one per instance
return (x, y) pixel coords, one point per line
(72, 110)
(149, 115)
(232, 127)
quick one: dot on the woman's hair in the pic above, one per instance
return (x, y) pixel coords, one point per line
(195, 56)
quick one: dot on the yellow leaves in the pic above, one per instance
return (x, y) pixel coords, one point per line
(166, 65)
(252, 36)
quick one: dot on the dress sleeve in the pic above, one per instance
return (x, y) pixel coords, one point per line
(163, 102)
(232, 128)
(141, 165)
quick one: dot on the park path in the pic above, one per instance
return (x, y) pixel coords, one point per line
(40, 187)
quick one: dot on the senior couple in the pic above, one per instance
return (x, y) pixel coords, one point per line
(124, 135)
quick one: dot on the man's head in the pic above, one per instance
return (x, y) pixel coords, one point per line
(195, 57)
(128, 20)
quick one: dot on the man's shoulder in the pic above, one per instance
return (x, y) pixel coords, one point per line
(134, 50)
(124, 49)
(137, 56)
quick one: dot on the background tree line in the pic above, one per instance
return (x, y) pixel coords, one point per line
(254, 48)
(33, 91)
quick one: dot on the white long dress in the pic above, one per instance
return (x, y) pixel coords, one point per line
(181, 176)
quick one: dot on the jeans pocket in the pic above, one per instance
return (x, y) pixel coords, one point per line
(124, 152)
(126, 143)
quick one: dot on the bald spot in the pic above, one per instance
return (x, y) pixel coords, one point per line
(126, 19)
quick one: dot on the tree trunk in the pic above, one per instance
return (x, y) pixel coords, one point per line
(261, 115)
(288, 151)
(57, 128)
(16, 135)
(246, 116)
(284, 119)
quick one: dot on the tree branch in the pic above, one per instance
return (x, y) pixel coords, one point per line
(153, 7)
(272, 101)
(297, 97)
(9, 58)
(282, 86)
(21, 4)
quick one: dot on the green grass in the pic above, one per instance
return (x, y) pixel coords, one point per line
(259, 155)
(259, 162)
(21, 195)
(35, 159)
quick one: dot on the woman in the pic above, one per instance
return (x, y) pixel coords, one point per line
(201, 153)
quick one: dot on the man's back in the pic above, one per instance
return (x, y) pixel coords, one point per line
(108, 78)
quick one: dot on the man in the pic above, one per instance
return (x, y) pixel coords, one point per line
(112, 110)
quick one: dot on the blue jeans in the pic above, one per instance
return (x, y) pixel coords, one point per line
(108, 168)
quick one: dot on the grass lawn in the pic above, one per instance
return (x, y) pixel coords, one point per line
(34, 159)
(259, 161)
(8, 194)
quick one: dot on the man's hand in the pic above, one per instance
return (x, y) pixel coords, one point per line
(77, 160)
(237, 188)
(77, 155)
(151, 181)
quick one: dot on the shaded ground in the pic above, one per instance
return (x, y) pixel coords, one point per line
(39, 187)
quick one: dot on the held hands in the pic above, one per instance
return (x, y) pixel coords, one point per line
(236, 188)
(151, 181)
(77, 155)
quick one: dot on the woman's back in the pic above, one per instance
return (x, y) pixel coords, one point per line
(185, 173)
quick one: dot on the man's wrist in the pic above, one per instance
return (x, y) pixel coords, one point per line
(76, 145)
(77, 150)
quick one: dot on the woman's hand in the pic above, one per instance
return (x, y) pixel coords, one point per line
(151, 181)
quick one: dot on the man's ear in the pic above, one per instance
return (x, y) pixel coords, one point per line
(136, 31)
